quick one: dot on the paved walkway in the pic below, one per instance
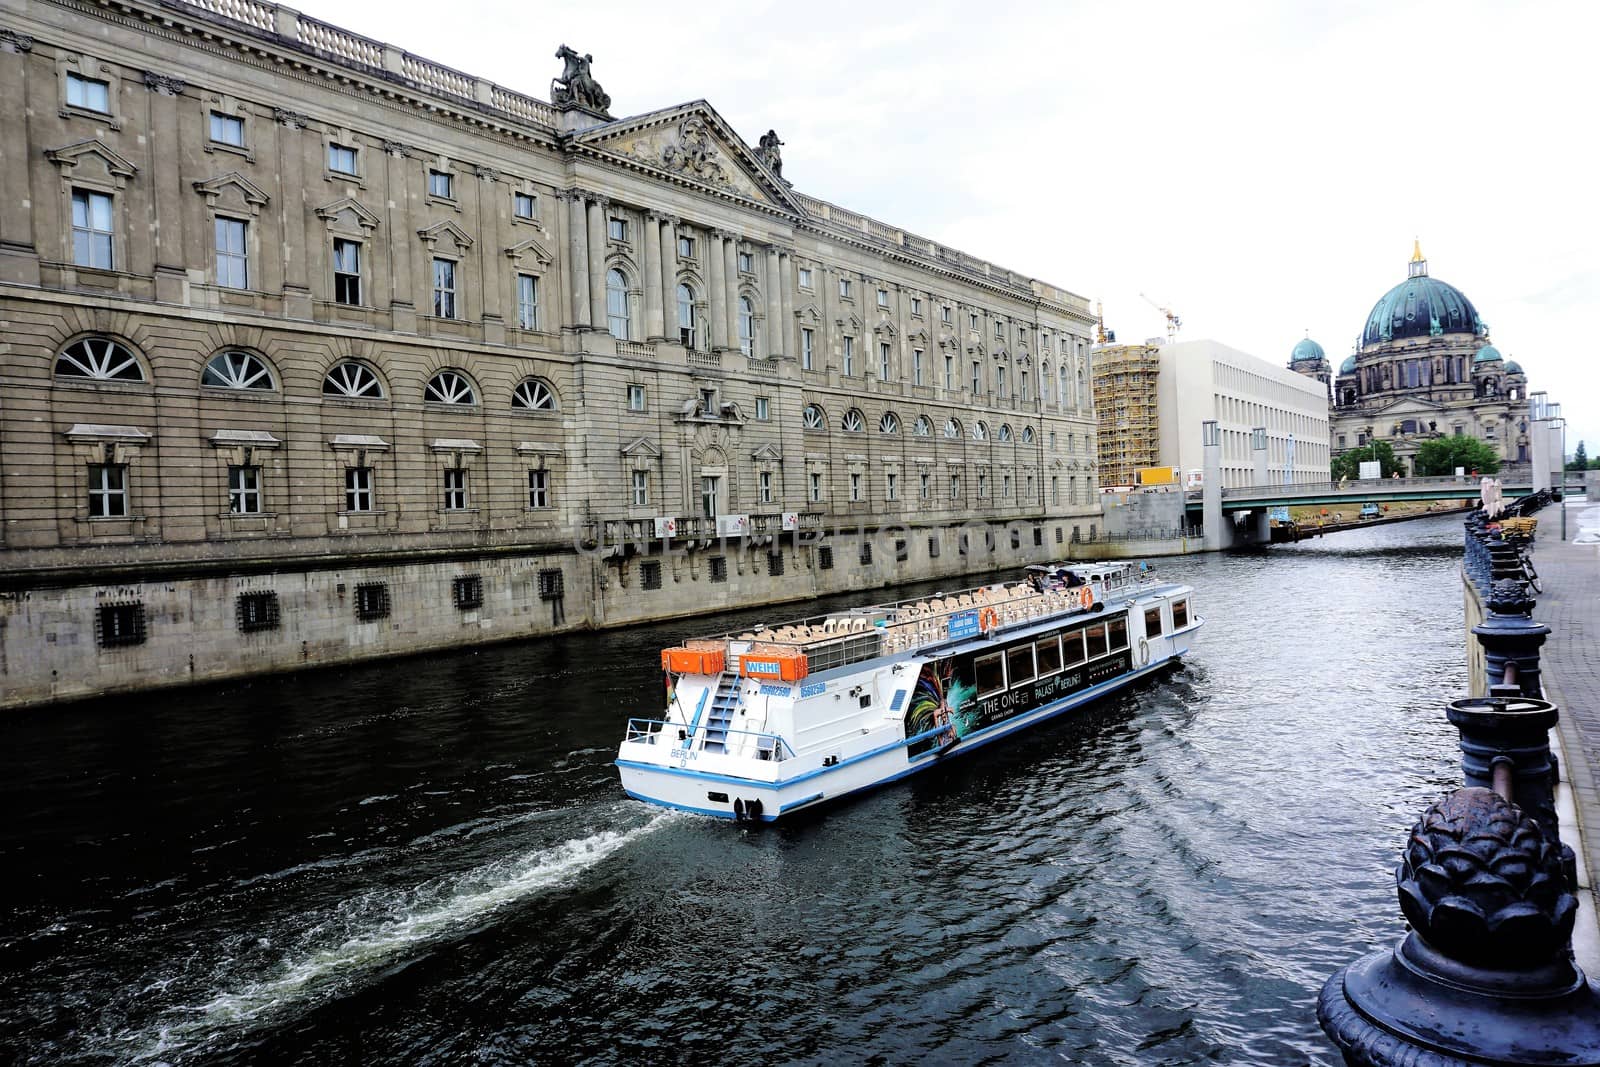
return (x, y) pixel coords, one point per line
(1570, 666)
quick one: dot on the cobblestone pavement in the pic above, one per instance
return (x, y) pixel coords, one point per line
(1570, 666)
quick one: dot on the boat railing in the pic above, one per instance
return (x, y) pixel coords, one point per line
(652, 731)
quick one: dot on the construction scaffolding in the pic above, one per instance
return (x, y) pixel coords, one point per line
(1125, 378)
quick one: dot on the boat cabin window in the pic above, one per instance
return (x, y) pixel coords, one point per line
(1019, 664)
(1095, 637)
(1072, 648)
(1118, 628)
(1152, 622)
(991, 673)
(1180, 614)
(1047, 654)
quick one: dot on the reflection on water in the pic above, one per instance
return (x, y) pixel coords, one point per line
(432, 861)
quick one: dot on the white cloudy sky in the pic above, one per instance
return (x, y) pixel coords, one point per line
(1261, 167)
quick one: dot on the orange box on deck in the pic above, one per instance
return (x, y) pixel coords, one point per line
(693, 660)
(783, 666)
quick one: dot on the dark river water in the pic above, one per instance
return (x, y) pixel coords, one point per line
(431, 861)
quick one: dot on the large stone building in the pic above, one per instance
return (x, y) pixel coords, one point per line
(1423, 368)
(314, 349)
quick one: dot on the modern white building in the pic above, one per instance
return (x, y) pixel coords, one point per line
(1205, 380)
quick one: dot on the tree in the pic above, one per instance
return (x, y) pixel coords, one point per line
(1348, 464)
(1443, 455)
(1580, 459)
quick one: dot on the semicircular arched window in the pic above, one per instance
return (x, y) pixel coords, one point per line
(450, 387)
(889, 424)
(747, 327)
(813, 419)
(352, 379)
(952, 428)
(237, 370)
(852, 422)
(533, 395)
(1004, 433)
(980, 431)
(618, 320)
(99, 359)
(1027, 435)
(923, 427)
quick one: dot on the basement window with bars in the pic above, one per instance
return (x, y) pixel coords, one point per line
(1038, 537)
(774, 563)
(719, 568)
(372, 601)
(866, 553)
(467, 591)
(900, 552)
(825, 558)
(933, 547)
(1058, 535)
(1016, 538)
(119, 625)
(256, 612)
(552, 585)
(650, 574)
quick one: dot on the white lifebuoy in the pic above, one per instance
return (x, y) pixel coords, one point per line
(1144, 652)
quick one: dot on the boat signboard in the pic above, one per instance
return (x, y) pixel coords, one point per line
(964, 624)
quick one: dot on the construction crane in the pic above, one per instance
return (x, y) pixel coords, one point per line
(1174, 323)
(1101, 336)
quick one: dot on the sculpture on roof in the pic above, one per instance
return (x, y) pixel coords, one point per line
(767, 152)
(576, 86)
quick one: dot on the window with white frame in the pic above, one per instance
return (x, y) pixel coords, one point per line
(1000, 382)
(805, 277)
(455, 489)
(844, 288)
(617, 304)
(91, 94)
(686, 248)
(849, 355)
(635, 398)
(709, 493)
(444, 288)
(855, 487)
(883, 298)
(227, 129)
(442, 184)
(346, 272)
(538, 489)
(891, 485)
(764, 485)
(358, 488)
(922, 485)
(972, 320)
(955, 486)
(983, 485)
(883, 362)
(450, 387)
(92, 229)
(1027, 489)
(523, 205)
(617, 229)
(747, 327)
(233, 259)
(747, 263)
(108, 491)
(916, 306)
(641, 488)
(687, 318)
(342, 159)
(528, 301)
(808, 348)
(1005, 485)
(949, 372)
(812, 419)
(946, 316)
(244, 490)
(815, 480)
(763, 408)
(916, 366)
(977, 377)
(999, 330)
(1055, 489)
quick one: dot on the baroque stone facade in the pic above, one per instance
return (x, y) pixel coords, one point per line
(314, 349)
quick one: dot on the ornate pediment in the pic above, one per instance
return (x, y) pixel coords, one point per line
(808, 313)
(347, 212)
(75, 155)
(446, 232)
(231, 185)
(532, 248)
(694, 143)
(767, 453)
(640, 446)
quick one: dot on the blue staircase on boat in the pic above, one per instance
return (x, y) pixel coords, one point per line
(723, 707)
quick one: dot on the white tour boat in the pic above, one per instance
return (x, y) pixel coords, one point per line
(776, 720)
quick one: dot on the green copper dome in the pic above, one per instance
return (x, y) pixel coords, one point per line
(1307, 351)
(1513, 367)
(1348, 366)
(1421, 306)
(1487, 354)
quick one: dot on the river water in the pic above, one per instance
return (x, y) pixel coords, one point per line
(430, 861)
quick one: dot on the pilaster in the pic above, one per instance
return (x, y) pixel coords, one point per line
(578, 270)
(655, 289)
(19, 258)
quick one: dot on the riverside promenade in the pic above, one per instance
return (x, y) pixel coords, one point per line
(1570, 669)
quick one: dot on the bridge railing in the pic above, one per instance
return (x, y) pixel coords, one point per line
(1468, 485)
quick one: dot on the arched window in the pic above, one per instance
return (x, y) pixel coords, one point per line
(923, 427)
(980, 431)
(617, 304)
(352, 379)
(1027, 435)
(100, 359)
(686, 316)
(813, 419)
(747, 327)
(534, 394)
(1046, 383)
(1004, 433)
(952, 428)
(1083, 398)
(889, 424)
(237, 370)
(1023, 388)
(852, 422)
(1064, 388)
(450, 387)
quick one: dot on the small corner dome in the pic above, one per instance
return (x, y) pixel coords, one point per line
(1487, 354)
(1513, 367)
(1307, 351)
(1348, 366)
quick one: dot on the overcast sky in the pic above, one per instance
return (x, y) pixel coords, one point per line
(1260, 168)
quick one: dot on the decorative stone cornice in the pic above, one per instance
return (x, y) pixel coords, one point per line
(397, 149)
(12, 41)
(488, 174)
(292, 119)
(166, 84)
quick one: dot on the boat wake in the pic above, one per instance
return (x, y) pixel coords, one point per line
(363, 935)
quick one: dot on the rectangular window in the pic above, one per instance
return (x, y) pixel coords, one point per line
(977, 378)
(719, 568)
(1047, 654)
(441, 184)
(686, 248)
(467, 591)
(1055, 489)
(825, 557)
(538, 489)
(922, 486)
(527, 301)
(108, 491)
(1000, 382)
(92, 229)
(617, 229)
(372, 601)
(552, 584)
(844, 288)
(1019, 664)
(1117, 632)
(945, 315)
(891, 488)
(1180, 614)
(765, 483)
(983, 485)
(650, 574)
(444, 288)
(916, 306)
(999, 330)
(865, 555)
(1095, 640)
(763, 408)
(849, 356)
(709, 408)
(635, 398)
(641, 489)
(916, 366)
(92, 94)
(816, 487)
(1072, 648)
(256, 612)
(232, 260)
(522, 205)
(358, 488)
(955, 487)
(808, 350)
(991, 674)
(347, 272)
(774, 563)
(805, 277)
(227, 129)
(972, 320)
(117, 625)
(1005, 485)
(1152, 622)
(883, 298)
(244, 490)
(883, 362)
(949, 372)
(455, 490)
(708, 496)
(747, 263)
(855, 487)
(341, 159)
(933, 547)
